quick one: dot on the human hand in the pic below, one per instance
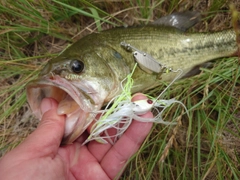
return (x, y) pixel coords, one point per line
(41, 157)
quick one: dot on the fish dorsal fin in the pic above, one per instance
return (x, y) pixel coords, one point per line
(180, 20)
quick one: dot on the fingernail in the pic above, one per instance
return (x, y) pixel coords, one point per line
(46, 105)
(138, 96)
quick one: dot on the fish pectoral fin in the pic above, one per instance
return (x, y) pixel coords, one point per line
(180, 20)
(196, 70)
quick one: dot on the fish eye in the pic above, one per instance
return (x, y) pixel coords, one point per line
(77, 66)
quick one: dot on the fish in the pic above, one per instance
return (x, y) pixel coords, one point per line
(89, 73)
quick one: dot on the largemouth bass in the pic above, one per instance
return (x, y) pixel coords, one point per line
(89, 73)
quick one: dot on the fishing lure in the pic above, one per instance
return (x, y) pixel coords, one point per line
(121, 111)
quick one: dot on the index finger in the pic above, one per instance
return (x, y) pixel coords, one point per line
(117, 157)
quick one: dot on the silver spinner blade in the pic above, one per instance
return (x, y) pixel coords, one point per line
(147, 63)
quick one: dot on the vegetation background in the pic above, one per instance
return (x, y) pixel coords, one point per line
(204, 146)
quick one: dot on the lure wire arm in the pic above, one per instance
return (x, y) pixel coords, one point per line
(153, 65)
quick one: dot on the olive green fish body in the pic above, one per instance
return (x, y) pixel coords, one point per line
(89, 73)
(167, 45)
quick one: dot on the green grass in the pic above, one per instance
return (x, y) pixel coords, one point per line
(204, 145)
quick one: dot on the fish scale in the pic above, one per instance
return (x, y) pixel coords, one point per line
(168, 46)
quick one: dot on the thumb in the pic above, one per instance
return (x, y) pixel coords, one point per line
(47, 137)
(51, 126)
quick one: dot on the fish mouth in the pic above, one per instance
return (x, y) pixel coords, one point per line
(77, 105)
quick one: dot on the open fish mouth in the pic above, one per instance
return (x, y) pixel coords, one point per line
(76, 104)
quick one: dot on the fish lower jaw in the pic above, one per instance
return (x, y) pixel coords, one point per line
(78, 115)
(72, 102)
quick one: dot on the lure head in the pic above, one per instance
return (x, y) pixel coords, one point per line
(142, 106)
(80, 82)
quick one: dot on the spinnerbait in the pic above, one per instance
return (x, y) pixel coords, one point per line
(123, 111)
